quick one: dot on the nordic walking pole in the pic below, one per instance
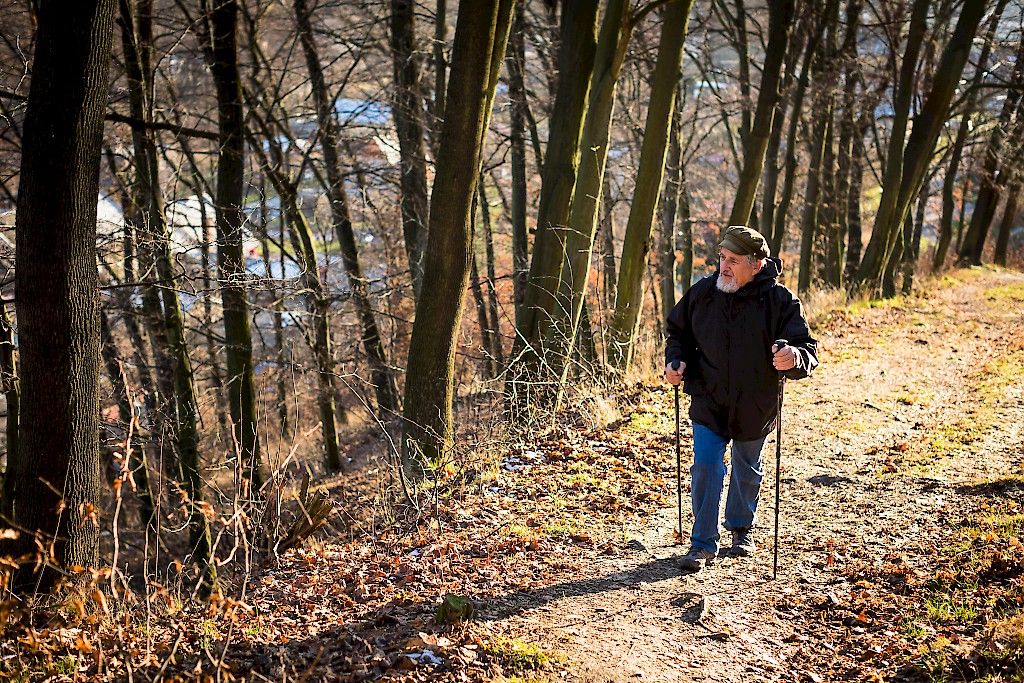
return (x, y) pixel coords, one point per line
(779, 344)
(679, 476)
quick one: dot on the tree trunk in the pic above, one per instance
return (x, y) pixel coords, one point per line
(854, 241)
(831, 244)
(428, 431)
(912, 242)
(608, 244)
(493, 326)
(560, 321)
(875, 261)
(319, 306)
(901, 184)
(1002, 237)
(740, 19)
(278, 324)
(775, 240)
(384, 383)
(755, 143)
(685, 238)
(636, 243)
(962, 218)
(440, 66)
(203, 192)
(223, 18)
(516, 66)
(812, 202)
(481, 315)
(667, 252)
(558, 179)
(409, 123)
(962, 131)
(848, 128)
(991, 178)
(55, 481)
(889, 274)
(137, 28)
(317, 301)
(9, 385)
(770, 182)
(206, 264)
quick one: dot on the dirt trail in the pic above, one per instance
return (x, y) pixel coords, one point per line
(913, 400)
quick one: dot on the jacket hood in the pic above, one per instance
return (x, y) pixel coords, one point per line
(765, 278)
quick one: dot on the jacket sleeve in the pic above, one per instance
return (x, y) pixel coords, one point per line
(680, 344)
(792, 326)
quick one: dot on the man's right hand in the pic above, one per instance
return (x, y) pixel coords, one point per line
(674, 377)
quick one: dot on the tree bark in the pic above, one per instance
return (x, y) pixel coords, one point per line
(875, 255)
(223, 19)
(516, 66)
(685, 238)
(991, 178)
(901, 184)
(912, 241)
(755, 142)
(635, 245)
(278, 324)
(440, 65)
(847, 118)
(560, 318)
(493, 326)
(775, 240)
(9, 384)
(481, 315)
(854, 239)
(558, 178)
(670, 206)
(812, 203)
(962, 131)
(1002, 236)
(770, 181)
(55, 481)
(607, 228)
(409, 123)
(736, 24)
(480, 39)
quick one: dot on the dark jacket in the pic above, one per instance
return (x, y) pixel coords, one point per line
(726, 342)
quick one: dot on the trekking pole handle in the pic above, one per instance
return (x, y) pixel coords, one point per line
(780, 344)
(675, 365)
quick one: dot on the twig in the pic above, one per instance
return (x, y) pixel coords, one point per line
(170, 656)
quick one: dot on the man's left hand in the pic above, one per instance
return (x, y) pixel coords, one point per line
(783, 359)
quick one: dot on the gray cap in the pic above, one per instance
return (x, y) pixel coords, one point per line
(745, 241)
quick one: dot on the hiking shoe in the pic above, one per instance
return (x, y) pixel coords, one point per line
(695, 558)
(742, 542)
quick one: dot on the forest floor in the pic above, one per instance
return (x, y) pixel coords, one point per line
(901, 522)
(901, 554)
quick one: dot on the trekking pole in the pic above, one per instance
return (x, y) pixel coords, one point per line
(679, 475)
(779, 344)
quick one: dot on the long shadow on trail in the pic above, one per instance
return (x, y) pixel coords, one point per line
(525, 600)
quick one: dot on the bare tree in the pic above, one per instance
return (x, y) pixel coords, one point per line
(54, 482)
(480, 38)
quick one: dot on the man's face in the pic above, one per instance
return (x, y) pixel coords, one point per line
(734, 270)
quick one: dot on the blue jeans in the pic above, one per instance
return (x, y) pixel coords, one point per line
(707, 478)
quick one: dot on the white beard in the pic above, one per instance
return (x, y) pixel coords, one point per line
(729, 287)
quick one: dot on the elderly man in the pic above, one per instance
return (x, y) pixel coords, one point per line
(721, 336)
